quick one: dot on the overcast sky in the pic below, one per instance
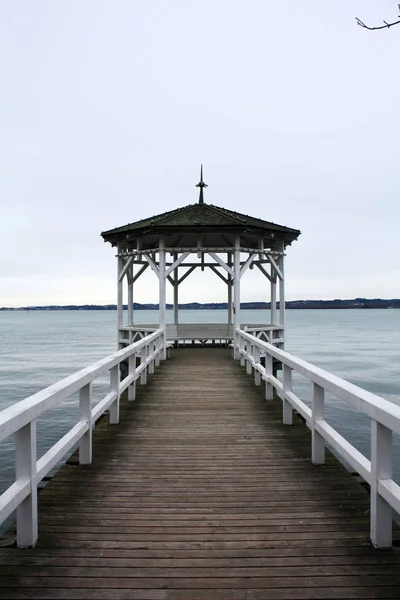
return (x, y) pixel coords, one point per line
(108, 107)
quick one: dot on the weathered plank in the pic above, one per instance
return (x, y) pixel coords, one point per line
(201, 492)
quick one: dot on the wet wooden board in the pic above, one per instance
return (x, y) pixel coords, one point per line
(201, 493)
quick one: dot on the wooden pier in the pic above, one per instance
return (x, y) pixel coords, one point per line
(202, 493)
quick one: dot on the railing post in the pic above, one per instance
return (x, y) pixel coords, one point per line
(131, 371)
(159, 348)
(317, 441)
(287, 411)
(143, 374)
(249, 357)
(242, 351)
(150, 352)
(85, 412)
(257, 374)
(269, 388)
(25, 469)
(114, 387)
(381, 468)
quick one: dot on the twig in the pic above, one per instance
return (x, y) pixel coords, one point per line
(385, 26)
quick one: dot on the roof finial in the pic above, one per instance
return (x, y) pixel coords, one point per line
(201, 185)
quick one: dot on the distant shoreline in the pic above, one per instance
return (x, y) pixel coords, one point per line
(356, 303)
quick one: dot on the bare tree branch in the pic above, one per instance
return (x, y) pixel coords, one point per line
(385, 26)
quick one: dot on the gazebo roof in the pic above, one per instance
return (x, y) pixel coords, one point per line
(200, 218)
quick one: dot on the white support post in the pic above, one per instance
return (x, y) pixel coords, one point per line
(229, 278)
(273, 298)
(150, 352)
(381, 468)
(130, 300)
(317, 441)
(162, 295)
(176, 291)
(114, 387)
(282, 292)
(287, 411)
(143, 374)
(249, 357)
(25, 470)
(120, 314)
(131, 371)
(236, 284)
(85, 412)
(269, 388)
(257, 374)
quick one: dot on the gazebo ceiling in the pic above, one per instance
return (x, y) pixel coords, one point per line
(217, 227)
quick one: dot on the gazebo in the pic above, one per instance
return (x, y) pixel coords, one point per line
(201, 236)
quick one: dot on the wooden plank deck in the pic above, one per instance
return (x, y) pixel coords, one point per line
(201, 493)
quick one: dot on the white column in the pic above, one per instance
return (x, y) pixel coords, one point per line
(273, 297)
(25, 469)
(381, 468)
(282, 290)
(229, 263)
(176, 292)
(120, 316)
(236, 285)
(162, 296)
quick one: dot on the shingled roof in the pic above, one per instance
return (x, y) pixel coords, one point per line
(198, 217)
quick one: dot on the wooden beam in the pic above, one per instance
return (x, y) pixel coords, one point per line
(152, 264)
(223, 264)
(187, 274)
(263, 271)
(125, 268)
(275, 266)
(214, 268)
(139, 273)
(176, 263)
(246, 265)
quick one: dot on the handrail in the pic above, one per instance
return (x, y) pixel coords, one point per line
(20, 419)
(384, 415)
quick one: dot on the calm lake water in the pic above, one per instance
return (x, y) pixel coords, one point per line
(40, 347)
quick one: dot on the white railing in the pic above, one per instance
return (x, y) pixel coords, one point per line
(20, 420)
(384, 415)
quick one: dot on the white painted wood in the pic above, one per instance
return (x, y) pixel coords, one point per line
(381, 468)
(125, 267)
(273, 301)
(247, 264)
(385, 420)
(176, 262)
(25, 471)
(287, 411)
(263, 270)
(143, 370)
(275, 266)
(257, 374)
(215, 270)
(223, 264)
(152, 263)
(140, 272)
(282, 306)
(20, 419)
(131, 372)
(176, 292)
(162, 292)
(317, 440)
(120, 315)
(188, 272)
(85, 414)
(114, 387)
(269, 389)
(236, 285)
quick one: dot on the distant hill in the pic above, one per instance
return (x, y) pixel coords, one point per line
(294, 304)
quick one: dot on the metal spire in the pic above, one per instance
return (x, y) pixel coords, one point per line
(201, 185)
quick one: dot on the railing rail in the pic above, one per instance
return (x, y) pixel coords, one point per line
(384, 415)
(20, 420)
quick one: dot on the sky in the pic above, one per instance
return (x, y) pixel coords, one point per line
(108, 108)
